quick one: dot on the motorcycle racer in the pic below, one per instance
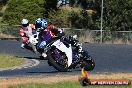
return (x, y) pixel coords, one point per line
(46, 32)
(25, 32)
(51, 32)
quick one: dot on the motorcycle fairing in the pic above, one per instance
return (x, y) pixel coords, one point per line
(67, 50)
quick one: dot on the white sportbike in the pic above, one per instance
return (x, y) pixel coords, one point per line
(63, 56)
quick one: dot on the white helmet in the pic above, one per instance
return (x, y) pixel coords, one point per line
(25, 22)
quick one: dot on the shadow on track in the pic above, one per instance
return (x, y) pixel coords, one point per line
(37, 58)
(43, 72)
(48, 72)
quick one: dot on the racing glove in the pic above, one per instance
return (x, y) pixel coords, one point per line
(42, 44)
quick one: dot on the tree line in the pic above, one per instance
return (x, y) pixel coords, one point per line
(117, 13)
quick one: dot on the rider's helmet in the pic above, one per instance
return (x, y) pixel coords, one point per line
(24, 23)
(40, 23)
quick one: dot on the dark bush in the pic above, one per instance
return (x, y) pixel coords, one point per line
(1, 14)
(59, 18)
(80, 19)
(19, 9)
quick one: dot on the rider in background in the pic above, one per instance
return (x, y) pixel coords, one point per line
(25, 32)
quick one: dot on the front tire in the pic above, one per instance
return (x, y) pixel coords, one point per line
(56, 64)
(88, 64)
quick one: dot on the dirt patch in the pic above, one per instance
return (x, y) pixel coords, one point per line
(5, 82)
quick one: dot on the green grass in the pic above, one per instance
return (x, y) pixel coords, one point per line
(10, 61)
(70, 84)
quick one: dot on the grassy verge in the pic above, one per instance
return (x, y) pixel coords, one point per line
(66, 84)
(10, 61)
(60, 81)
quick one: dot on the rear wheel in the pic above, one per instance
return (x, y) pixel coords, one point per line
(60, 63)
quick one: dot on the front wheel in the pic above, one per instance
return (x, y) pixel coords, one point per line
(58, 60)
(88, 64)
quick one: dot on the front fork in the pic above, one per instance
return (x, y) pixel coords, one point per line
(78, 59)
(76, 62)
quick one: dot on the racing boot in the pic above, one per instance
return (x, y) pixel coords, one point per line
(26, 46)
(44, 54)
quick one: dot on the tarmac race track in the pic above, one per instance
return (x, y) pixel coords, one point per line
(109, 58)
